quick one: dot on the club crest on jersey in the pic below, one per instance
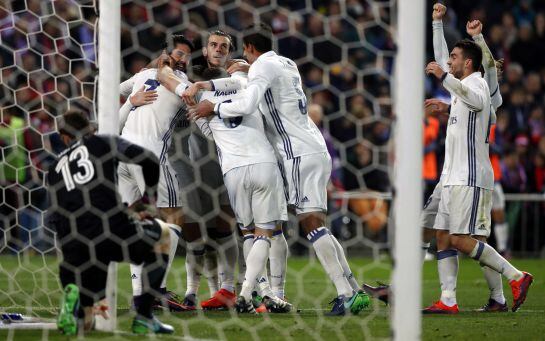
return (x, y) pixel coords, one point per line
(224, 93)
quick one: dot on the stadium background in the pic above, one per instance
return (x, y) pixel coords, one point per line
(345, 55)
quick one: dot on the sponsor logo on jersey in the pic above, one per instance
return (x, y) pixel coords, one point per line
(305, 199)
(224, 93)
(453, 120)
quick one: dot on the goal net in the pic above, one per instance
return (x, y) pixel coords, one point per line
(345, 53)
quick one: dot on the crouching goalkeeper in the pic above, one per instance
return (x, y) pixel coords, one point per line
(94, 228)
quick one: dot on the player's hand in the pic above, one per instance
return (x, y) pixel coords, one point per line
(142, 97)
(188, 96)
(499, 67)
(439, 11)
(434, 106)
(238, 65)
(101, 308)
(164, 60)
(474, 28)
(434, 69)
(203, 109)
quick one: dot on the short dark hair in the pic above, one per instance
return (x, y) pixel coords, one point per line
(260, 36)
(214, 73)
(221, 34)
(176, 39)
(471, 50)
(75, 124)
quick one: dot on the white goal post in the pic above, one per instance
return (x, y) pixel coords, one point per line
(109, 59)
(408, 100)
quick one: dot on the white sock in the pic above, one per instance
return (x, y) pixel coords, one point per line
(175, 233)
(136, 279)
(501, 232)
(263, 285)
(211, 269)
(255, 263)
(194, 263)
(425, 248)
(327, 254)
(493, 278)
(447, 266)
(278, 258)
(344, 263)
(485, 254)
(228, 256)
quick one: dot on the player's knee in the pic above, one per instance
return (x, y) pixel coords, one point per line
(456, 241)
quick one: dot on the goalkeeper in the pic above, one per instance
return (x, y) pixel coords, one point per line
(94, 229)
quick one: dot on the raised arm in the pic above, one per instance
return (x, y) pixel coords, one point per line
(474, 29)
(124, 112)
(440, 48)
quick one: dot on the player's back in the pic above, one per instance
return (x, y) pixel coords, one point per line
(240, 140)
(285, 108)
(82, 186)
(151, 125)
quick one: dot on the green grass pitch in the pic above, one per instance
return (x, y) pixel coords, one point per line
(32, 282)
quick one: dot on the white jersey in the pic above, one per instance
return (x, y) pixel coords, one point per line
(274, 87)
(151, 125)
(241, 141)
(467, 161)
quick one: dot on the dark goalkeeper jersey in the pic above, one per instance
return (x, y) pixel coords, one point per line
(82, 186)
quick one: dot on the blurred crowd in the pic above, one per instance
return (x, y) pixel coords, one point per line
(344, 51)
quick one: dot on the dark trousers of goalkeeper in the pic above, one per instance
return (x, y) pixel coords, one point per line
(84, 269)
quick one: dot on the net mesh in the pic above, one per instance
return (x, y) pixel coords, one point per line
(344, 51)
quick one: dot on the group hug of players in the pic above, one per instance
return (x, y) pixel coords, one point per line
(271, 157)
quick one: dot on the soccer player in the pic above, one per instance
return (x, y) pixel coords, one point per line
(93, 227)
(150, 126)
(465, 203)
(447, 259)
(274, 87)
(190, 147)
(255, 188)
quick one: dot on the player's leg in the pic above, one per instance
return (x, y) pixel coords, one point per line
(278, 259)
(152, 249)
(480, 219)
(496, 301)
(501, 229)
(226, 244)
(307, 177)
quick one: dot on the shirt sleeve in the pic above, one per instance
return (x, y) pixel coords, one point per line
(125, 88)
(490, 72)
(260, 78)
(124, 112)
(235, 82)
(471, 93)
(440, 48)
(204, 126)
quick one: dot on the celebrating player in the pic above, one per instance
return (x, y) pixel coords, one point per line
(274, 86)
(465, 203)
(94, 229)
(150, 126)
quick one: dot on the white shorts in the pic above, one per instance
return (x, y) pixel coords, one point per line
(131, 185)
(256, 194)
(498, 198)
(306, 177)
(464, 210)
(427, 217)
